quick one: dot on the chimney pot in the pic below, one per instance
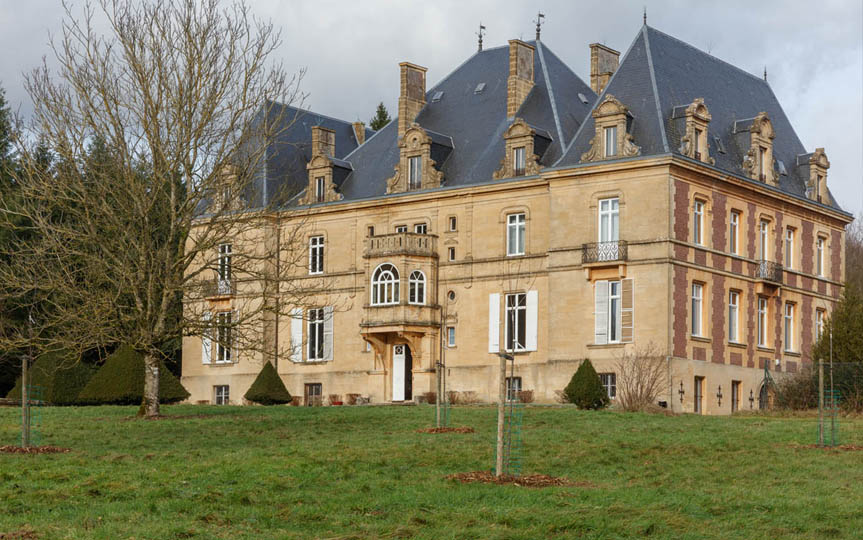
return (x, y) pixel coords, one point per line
(603, 63)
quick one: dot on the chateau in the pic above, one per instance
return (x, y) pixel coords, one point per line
(513, 207)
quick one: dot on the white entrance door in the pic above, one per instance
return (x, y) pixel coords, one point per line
(399, 373)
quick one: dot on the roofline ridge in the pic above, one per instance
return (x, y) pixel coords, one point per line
(655, 89)
(550, 91)
(309, 111)
(564, 64)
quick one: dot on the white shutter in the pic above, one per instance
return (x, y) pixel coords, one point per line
(297, 335)
(532, 307)
(627, 302)
(600, 313)
(328, 334)
(494, 322)
(207, 340)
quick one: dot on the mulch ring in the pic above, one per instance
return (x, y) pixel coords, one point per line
(529, 480)
(21, 534)
(9, 449)
(446, 430)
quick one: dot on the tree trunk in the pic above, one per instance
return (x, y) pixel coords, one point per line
(25, 401)
(501, 404)
(150, 405)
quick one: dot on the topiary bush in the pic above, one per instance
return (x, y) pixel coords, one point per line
(268, 388)
(61, 377)
(585, 389)
(120, 381)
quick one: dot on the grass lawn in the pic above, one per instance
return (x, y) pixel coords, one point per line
(364, 472)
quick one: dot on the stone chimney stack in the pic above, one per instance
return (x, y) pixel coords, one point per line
(323, 141)
(412, 96)
(603, 64)
(359, 132)
(520, 80)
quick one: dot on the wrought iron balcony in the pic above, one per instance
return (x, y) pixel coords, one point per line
(604, 252)
(216, 287)
(405, 243)
(769, 271)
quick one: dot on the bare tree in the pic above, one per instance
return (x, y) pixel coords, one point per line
(641, 378)
(185, 97)
(854, 253)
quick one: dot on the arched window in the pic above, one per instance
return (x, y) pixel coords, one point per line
(417, 288)
(385, 285)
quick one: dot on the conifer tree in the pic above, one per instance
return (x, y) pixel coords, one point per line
(381, 118)
(585, 389)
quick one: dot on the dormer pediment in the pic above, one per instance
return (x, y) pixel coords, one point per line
(694, 142)
(758, 163)
(612, 139)
(520, 156)
(417, 168)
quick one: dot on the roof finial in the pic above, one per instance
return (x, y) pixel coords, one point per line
(645, 15)
(540, 20)
(479, 35)
(765, 72)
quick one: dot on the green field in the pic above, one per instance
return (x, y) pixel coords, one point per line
(364, 472)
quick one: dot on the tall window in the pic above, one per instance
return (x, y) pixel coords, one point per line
(513, 387)
(733, 316)
(516, 322)
(735, 396)
(222, 394)
(415, 172)
(316, 255)
(789, 247)
(518, 161)
(421, 228)
(762, 163)
(819, 256)
(225, 251)
(450, 254)
(450, 336)
(763, 238)
(819, 323)
(453, 223)
(697, 144)
(733, 232)
(385, 285)
(610, 141)
(417, 288)
(789, 326)
(515, 234)
(614, 312)
(609, 220)
(697, 293)
(609, 381)
(316, 334)
(224, 335)
(762, 321)
(319, 189)
(698, 223)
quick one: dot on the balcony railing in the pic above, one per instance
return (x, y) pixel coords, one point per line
(217, 287)
(401, 314)
(769, 271)
(424, 245)
(604, 251)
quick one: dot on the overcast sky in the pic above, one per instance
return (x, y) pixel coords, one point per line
(351, 49)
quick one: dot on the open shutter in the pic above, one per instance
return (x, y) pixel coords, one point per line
(494, 322)
(207, 340)
(297, 335)
(627, 309)
(600, 313)
(532, 308)
(328, 334)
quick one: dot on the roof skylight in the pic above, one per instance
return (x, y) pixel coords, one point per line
(437, 96)
(719, 146)
(582, 97)
(479, 88)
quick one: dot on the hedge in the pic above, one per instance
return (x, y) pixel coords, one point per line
(585, 389)
(61, 377)
(268, 388)
(120, 381)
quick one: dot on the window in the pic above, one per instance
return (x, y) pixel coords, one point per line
(313, 394)
(513, 387)
(417, 288)
(225, 338)
(763, 238)
(698, 222)
(819, 256)
(518, 161)
(789, 326)
(225, 251)
(762, 321)
(699, 394)
(697, 144)
(789, 247)
(614, 313)
(316, 255)
(452, 223)
(320, 192)
(421, 228)
(697, 290)
(316, 335)
(371, 230)
(819, 324)
(609, 220)
(735, 396)
(401, 228)
(415, 174)
(762, 163)
(733, 316)
(450, 336)
(516, 322)
(610, 141)
(385, 285)
(222, 394)
(733, 234)
(609, 381)
(515, 234)
(451, 254)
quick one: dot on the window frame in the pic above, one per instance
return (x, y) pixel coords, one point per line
(450, 336)
(421, 228)
(516, 231)
(764, 239)
(734, 316)
(224, 337)
(387, 290)
(515, 326)
(698, 222)
(615, 315)
(819, 256)
(451, 254)
(609, 382)
(612, 215)
(788, 318)
(513, 387)
(790, 233)
(417, 288)
(453, 224)
(819, 323)
(519, 160)
(401, 229)
(762, 315)
(316, 255)
(221, 394)
(415, 168)
(734, 232)
(315, 335)
(609, 138)
(697, 311)
(320, 189)
(225, 262)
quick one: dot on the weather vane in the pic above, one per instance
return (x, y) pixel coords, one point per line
(540, 20)
(479, 35)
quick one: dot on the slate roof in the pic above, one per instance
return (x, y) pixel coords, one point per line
(659, 73)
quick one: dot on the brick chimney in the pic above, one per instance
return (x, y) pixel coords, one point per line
(603, 64)
(520, 80)
(359, 132)
(412, 96)
(323, 141)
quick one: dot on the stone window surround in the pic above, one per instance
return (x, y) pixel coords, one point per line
(611, 112)
(519, 134)
(503, 220)
(696, 117)
(761, 135)
(415, 143)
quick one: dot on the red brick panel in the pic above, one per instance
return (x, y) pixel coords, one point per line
(718, 312)
(736, 265)
(807, 248)
(680, 307)
(778, 316)
(736, 359)
(700, 257)
(822, 287)
(763, 361)
(791, 366)
(790, 279)
(750, 229)
(751, 314)
(681, 210)
(699, 353)
(779, 239)
(720, 223)
(806, 322)
(836, 255)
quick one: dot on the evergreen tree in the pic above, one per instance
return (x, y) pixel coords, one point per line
(846, 324)
(268, 388)
(381, 118)
(585, 389)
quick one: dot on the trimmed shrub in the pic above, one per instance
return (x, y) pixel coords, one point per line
(61, 378)
(585, 389)
(120, 381)
(268, 388)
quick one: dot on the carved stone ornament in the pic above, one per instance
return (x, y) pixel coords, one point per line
(816, 186)
(611, 112)
(416, 142)
(761, 135)
(518, 135)
(320, 166)
(697, 118)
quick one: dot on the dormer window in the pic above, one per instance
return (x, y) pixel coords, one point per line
(611, 138)
(611, 141)
(693, 142)
(415, 173)
(416, 169)
(762, 162)
(698, 144)
(320, 189)
(816, 187)
(758, 162)
(518, 161)
(520, 150)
